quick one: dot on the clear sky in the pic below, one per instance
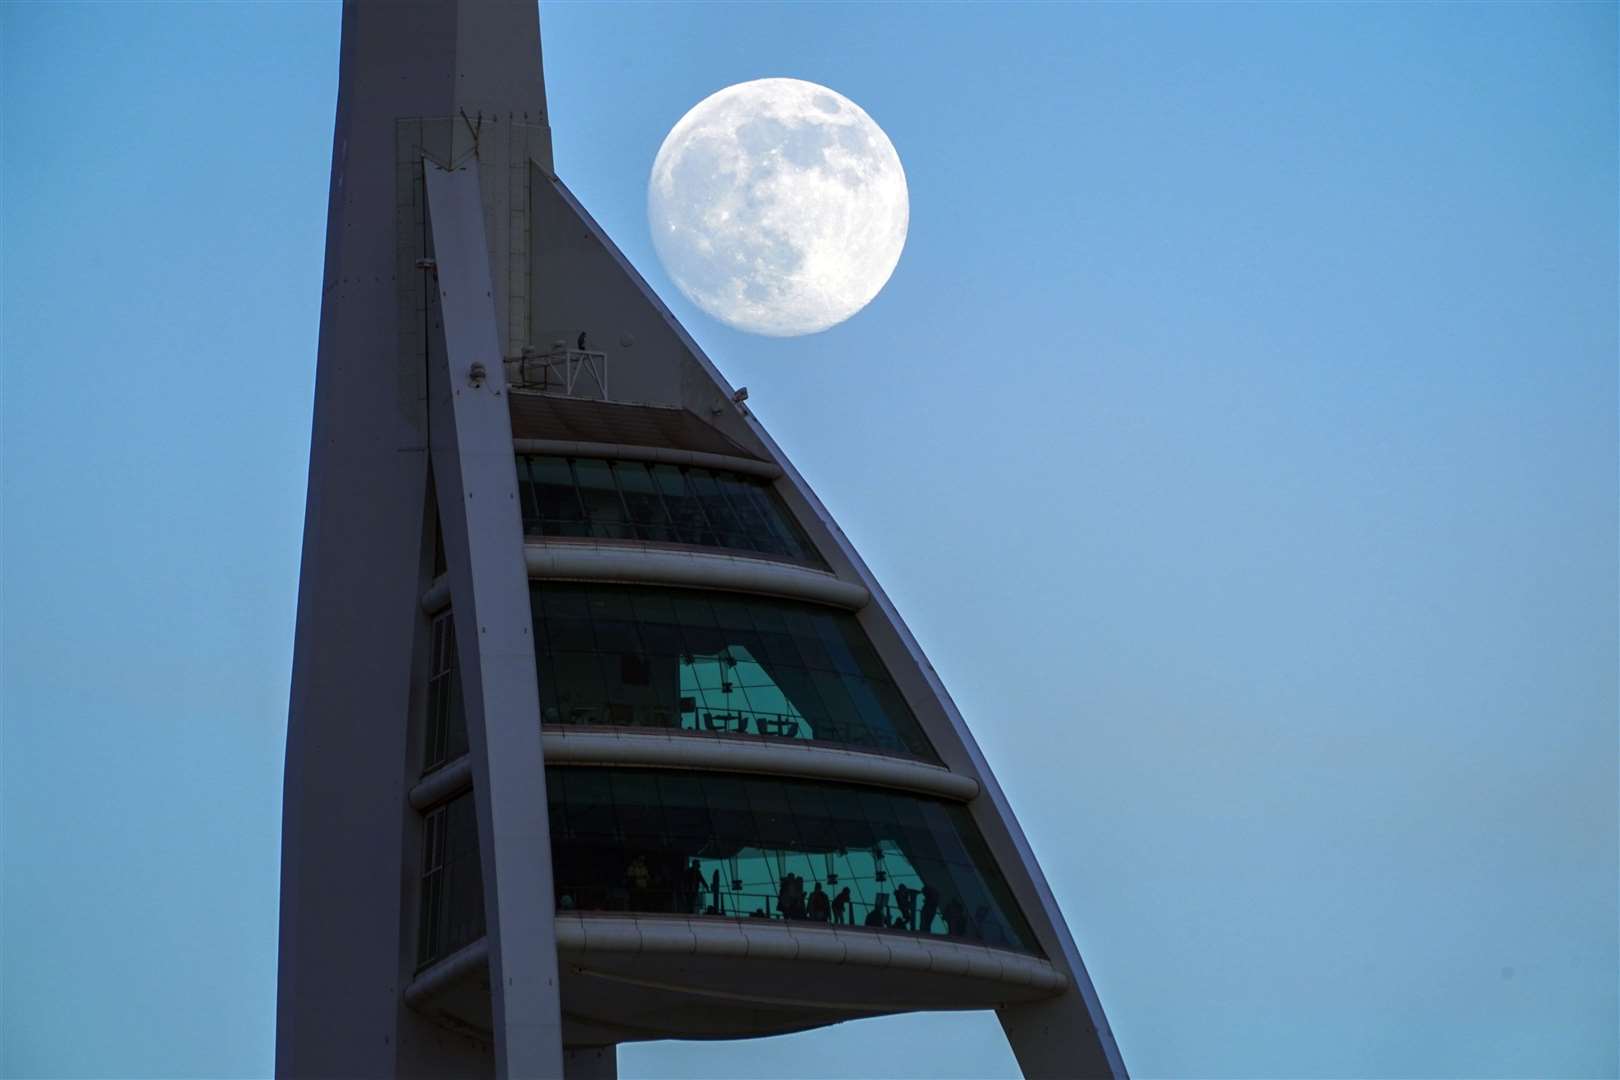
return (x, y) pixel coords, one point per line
(1237, 434)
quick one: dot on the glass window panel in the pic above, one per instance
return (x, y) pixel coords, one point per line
(570, 635)
(716, 845)
(715, 663)
(657, 503)
(527, 502)
(728, 530)
(653, 606)
(782, 525)
(561, 600)
(599, 495)
(750, 521)
(691, 524)
(611, 604)
(616, 635)
(641, 499)
(556, 499)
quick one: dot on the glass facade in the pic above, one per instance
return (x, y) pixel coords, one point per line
(671, 842)
(452, 886)
(446, 718)
(718, 663)
(657, 503)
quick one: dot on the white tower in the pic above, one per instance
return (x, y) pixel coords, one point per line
(600, 730)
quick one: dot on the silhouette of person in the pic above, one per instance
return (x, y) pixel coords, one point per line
(691, 888)
(796, 901)
(840, 906)
(930, 901)
(819, 909)
(580, 344)
(905, 897)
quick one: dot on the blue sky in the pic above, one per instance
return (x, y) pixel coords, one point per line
(1237, 434)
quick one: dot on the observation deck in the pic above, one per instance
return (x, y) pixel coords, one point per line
(635, 977)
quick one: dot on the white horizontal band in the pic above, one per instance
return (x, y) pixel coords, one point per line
(747, 940)
(635, 564)
(715, 753)
(624, 452)
(760, 939)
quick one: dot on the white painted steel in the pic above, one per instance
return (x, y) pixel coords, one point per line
(695, 569)
(633, 564)
(793, 941)
(667, 455)
(350, 844)
(658, 750)
(582, 934)
(585, 746)
(482, 528)
(445, 782)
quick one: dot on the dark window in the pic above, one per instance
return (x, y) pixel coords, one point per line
(452, 912)
(555, 499)
(446, 715)
(641, 499)
(678, 843)
(695, 844)
(714, 663)
(657, 503)
(599, 495)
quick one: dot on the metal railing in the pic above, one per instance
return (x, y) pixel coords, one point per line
(702, 720)
(757, 902)
(571, 372)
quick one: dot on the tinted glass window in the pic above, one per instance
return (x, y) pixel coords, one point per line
(446, 718)
(452, 898)
(639, 840)
(657, 503)
(714, 663)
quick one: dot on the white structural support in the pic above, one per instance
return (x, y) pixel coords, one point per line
(689, 750)
(482, 527)
(731, 968)
(630, 563)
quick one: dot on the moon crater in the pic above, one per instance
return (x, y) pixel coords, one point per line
(778, 206)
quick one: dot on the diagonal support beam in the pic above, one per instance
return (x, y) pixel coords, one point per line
(471, 440)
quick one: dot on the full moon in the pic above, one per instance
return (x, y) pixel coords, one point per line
(778, 206)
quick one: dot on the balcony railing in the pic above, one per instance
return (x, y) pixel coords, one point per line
(571, 372)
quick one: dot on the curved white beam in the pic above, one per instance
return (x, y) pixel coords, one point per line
(634, 564)
(624, 452)
(713, 753)
(661, 945)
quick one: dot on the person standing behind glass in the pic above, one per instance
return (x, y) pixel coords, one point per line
(819, 909)
(930, 899)
(905, 897)
(692, 885)
(840, 907)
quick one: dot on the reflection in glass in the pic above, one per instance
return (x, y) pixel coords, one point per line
(452, 913)
(669, 842)
(716, 663)
(657, 503)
